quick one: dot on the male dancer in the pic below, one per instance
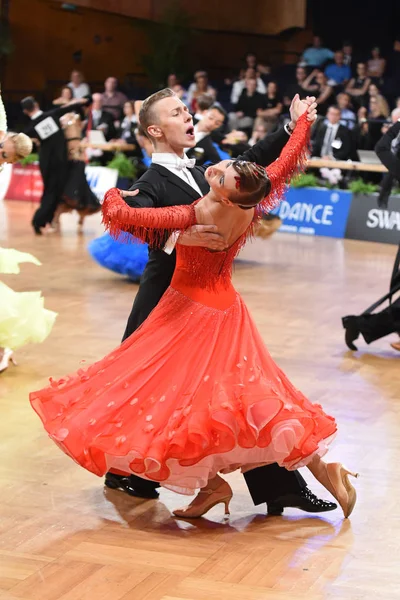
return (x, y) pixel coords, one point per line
(373, 326)
(172, 179)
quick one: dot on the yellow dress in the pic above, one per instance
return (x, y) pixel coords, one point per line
(23, 318)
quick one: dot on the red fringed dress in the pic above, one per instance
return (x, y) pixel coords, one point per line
(194, 390)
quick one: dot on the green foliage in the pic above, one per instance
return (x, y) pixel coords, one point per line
(167, 40)
(29, 160)
(305, 180)
(124, 166)
(359, 186)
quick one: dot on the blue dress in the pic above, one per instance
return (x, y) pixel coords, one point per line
(125, 259)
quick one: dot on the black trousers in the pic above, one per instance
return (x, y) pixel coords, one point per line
(375, 326)
(53, 182)
(265, 484)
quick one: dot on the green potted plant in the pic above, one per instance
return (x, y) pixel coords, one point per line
(31, 159)
(127, 171)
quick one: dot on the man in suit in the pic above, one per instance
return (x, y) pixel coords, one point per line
(45, 127)
(371, 325)
(332, 140)
(205, 150)
(99, 119)
(172, 179)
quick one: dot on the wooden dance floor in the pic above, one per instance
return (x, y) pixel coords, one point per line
(64, 537)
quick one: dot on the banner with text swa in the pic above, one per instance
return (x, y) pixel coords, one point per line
(315, 211)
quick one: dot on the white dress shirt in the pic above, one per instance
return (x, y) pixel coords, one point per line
(79, 91)
(330, 136)
(239, 86)
(173, 163)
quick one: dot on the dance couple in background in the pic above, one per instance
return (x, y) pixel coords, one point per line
(193, 392)
(23, 318)
(61, 161)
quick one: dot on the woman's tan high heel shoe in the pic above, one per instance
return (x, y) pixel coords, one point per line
(335, 478)
(205, 501)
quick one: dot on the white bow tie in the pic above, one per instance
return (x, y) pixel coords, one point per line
(185, 163)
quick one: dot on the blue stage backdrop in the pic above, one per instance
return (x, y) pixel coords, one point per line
(315, 211)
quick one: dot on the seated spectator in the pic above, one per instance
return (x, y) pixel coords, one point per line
(172, 81)
(317, 84)
(295, 88)
(260, 130)
(358, 86)
(129, 123)
(198, 88)
(79, 88)
(206, 150)
(333, 140)
(316, 55)
(204, 103)
(239, 85)
(252, 63)
(113, 100)
(378, 107)
(376, 65)
(378, 113)
(338, 73)
(348, 117)
(249, 103)
(348, 57)
(273, 107)
(361, 134)
(99, 119)
(65, 97)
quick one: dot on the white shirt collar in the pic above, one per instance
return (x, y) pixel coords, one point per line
(37, 114)
(166, 159)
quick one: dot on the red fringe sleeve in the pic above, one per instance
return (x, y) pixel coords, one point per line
(292, 160)
(148, 224)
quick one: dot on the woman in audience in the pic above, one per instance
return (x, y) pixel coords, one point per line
(358, 86)
(238, 86)
(376, 64)
(273, 109)
(129, 123)
(65, 97)
(199, 87)
(321, 89)
(260, 130)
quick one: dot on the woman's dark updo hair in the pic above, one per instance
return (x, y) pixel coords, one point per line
(253, 184)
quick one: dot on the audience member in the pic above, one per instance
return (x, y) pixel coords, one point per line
(295, 88)
(204, 103)
(338, 73)
(273, 107)
(79, 88)
(358, 86)
(129, 123)
(113, 100)
(239, 85)
(249, 103)
(99, 119)
(333, 140)
(348, 117)
(198, 88)
(65, 97)
(348, 57)
(251, 62)
(260, 130)
(206, 150)
(316, 55)
(376, 64)
(321, 89)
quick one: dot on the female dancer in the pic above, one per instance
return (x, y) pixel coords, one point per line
(194, 392)
(23, 318)
(77, 193)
